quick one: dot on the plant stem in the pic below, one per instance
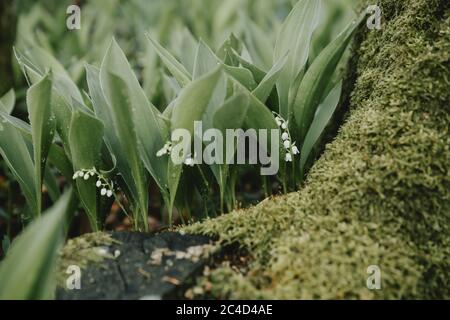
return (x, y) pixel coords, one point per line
(265, 186)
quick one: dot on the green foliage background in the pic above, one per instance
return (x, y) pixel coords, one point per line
(380, 193)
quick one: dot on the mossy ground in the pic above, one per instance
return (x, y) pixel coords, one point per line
(81, 252)
(379, 195)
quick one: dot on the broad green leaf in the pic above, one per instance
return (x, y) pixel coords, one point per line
(245, 54)
(167, 114)
(58, 158)
(258, 74)
(51, 183)
(190, 107)
(321, 120)
(150, 131)
(262, 92)
(40, 62)
(217, 99)
(259, 116)
(334, 17)
(317, 78)
(224, 53)
(85, 137)
(15, 152)
(193, 100)
(117, 96)
(35, 64)
(23, 127)
(243, 75)
(62, 111)
(231, 115)
(42, 129)
(225, 14)
(188, 48)
(173, 65)
(171, 87)
(205, 60)
(295, 38)
(28, 271)
(56, 155)
(105, 114)
(259, 45)
(8, 101)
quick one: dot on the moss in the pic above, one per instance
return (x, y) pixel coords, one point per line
(81, 252)
(379, 195)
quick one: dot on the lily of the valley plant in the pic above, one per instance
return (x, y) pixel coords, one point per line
(110, 141)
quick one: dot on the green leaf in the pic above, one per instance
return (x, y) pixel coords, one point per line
(171, 87)
(295, 38)
(205, 60)
(175, 67)
(258, 74)
(51, 183)
(262, 92)
(321, 120)
(117, 97)
(15, 152)
(258, 44)
(190, 107)
(243, 75)
(8, 101)
(6, 242)
(105, 114)
(28, 271)
(188, 47)
(193, 100)
(231, 115)
(37, 62)
(317, 78)
(224, 52)
(85, 137)
(224, 15)
(42, 129)
(56, 154)
(149, 132)
(58, 158)
(259, 116)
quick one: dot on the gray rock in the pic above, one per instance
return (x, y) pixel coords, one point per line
(145, 266)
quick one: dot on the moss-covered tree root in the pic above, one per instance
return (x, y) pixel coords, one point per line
(380, 193)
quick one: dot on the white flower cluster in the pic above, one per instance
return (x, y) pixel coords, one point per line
(107, 187)
(189, 161)
(289, 146)
(167, 149)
